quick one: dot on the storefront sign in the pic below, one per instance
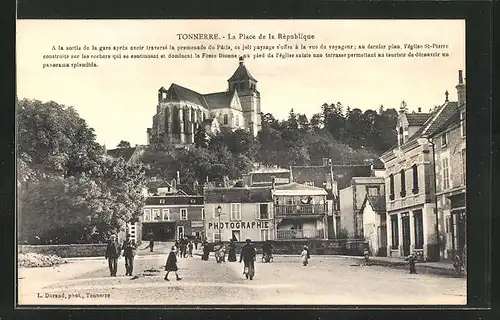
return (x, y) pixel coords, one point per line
(239, 225)
(196, 224)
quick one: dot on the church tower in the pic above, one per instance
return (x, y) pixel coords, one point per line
(246, 87)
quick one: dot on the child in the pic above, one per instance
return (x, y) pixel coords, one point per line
(171, 264)
(305, 256)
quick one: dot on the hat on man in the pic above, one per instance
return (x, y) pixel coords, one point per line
(248, 240)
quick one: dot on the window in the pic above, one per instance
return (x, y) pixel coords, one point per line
(372, 191)
(263, 211)
(264, 234)
(414, 170)
(235, 211)
(226, 119)
(147, 214)
(202, 213)
(462, 123)
(444, 139)
(391, 186)
(237, 121)
(419, 229)
(446, 174)
(403, 183)
(395, 231)
(184, 214)
(309, 183)
(156, 214)
(464, 165)
(448, 225)
(166, 214)
(236, 235)
(216, 237)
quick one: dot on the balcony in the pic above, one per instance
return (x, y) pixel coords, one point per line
(300, 209)
(291, 234)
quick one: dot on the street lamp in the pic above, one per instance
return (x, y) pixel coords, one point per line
(219, 211)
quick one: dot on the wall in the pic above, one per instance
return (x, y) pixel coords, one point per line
(66, 250)
(316, 247)
(347, 210)
(249, 212)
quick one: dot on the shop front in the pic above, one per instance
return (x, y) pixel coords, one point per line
(459, 223)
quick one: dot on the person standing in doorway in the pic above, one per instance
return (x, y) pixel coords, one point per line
(248, 255)
(129, 248)
(171, 265)
(112, 254)
(232, 251)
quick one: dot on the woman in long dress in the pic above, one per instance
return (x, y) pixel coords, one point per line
(232, 252)
(171, 264)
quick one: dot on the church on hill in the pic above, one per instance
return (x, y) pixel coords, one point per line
(181, 111)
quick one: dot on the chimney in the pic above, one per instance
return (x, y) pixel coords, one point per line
(273, 182)
(242, 62)
(174, 185)
(178, 178)
(461, 89)
(446, 94)
(419, 109)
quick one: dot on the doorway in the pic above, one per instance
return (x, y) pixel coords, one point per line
(180, 232)
(405, 221)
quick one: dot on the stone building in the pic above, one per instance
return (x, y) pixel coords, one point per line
(413, 223)
(450, 147)
(181, 111)
(375, 224)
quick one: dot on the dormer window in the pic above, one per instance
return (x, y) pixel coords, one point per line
(444, 139)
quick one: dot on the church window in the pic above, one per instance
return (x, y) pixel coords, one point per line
(226, 119)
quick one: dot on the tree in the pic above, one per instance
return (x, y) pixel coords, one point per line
(201, 137)
(123, 144)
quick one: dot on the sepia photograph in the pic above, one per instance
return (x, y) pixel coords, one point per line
(241, 162)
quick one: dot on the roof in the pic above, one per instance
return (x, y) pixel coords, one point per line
(218, 99)
(319, 175)
(344, 174)
(178, 92)
(266, 177)
(439, 117)
(237, 195)
(417, 119)
(241, 73)
(124, 153)
(377, 203)
(298, 189)
(174, 200)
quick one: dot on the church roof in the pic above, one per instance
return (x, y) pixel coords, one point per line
(182, 93)
(242, 73)
(218, 100)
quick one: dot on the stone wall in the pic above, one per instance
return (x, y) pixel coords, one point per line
(66, 250)
(350, 247)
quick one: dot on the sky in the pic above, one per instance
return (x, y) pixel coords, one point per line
(118, 99)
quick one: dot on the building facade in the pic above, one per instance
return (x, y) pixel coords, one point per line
(413, 222)
(375, 224)
(351, 200)
(181, 111)
(244, 213)
(451, 160)
(300, 212)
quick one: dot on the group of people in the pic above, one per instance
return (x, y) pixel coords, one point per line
(114, 251)
(184, 247)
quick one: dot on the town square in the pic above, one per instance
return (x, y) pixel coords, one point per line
(243, 179)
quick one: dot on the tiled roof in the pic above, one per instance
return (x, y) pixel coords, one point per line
(267, 176)
(237, 195)
(218, 99)
(125, 153)
(319, 175)
(182, 93)
(343, 175)
(241, 74)
(174, 200)
(439, 117)
(377, 203)
(417, 119)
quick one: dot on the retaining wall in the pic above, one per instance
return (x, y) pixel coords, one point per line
(66, 250)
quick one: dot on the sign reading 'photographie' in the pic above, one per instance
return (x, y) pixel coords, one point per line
(239, 225)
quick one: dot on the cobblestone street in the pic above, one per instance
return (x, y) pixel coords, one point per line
(326, 280)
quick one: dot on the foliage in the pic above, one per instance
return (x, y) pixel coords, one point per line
(123, 144)
(67, 191)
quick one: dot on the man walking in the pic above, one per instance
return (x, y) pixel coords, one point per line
(112, 254)
(248, 255)
(129, 248)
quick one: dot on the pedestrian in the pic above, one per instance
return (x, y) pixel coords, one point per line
(411, 261)
(231, 257)
(171, 265)
(196, 240)
(248, 255)
(190, 248)
(129, 248)
(206, 251)
(112, 254)
(151, 242)
(305, 256)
